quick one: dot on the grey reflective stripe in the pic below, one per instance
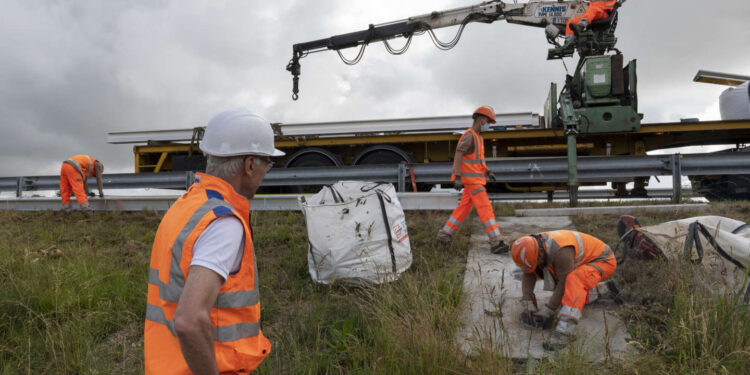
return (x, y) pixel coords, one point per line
(597, 268)
(454, 221)
(75, 165)
(549, 243)
(225, 300)
(449, 230)
(475, 192)
(606, 255)
(581, 250)
(472, 174)
(472, 161)
(226, 333)
(489, 223)
(477, 145)
(91, 164)
(571, 312)
(494, 233)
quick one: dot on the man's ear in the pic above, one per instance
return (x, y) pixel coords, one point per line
(249, 165)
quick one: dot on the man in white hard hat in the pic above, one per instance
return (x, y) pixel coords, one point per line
(203, 310)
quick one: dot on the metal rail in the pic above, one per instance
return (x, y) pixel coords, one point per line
(406, 125)
(508, 170)
(276, 202)
(288, 202)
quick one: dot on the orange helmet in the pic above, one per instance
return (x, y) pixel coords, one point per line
(525, 252)
(486, 111)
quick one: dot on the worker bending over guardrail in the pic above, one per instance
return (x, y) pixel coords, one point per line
(73, 176)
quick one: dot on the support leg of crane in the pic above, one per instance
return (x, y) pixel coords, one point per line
(573, 193)
(572, 166)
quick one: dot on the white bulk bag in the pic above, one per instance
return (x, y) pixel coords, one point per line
(357, 233)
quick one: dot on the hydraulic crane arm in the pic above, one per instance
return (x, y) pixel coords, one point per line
(536, 13)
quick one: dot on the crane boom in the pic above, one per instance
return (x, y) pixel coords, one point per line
(535, 13)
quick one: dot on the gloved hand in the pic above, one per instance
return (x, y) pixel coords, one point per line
(91, 194)
(101, 195)
(491, 176)
(458, 185)
(545, 312)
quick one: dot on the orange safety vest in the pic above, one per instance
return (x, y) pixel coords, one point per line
(588, 249)
(239, 344)
(473, 167)
(84, 163)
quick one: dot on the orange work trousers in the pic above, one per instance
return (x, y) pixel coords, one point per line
(71, 181)
(580, 282)
(476, 196)
(592, 14)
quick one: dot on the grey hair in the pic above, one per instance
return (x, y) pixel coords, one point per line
(227, 167)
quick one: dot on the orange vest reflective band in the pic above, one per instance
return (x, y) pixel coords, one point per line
(239, 344)
(84, 163)
(473, 167)
(588, 249)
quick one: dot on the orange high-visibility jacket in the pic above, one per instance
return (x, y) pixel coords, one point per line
(473, 168)
(599, 10)
(84, 163)
(239, 344)
(588, 249)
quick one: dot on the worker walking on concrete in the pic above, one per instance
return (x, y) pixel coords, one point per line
(73, 177)
(597, 10)
(470, 173)
(573, 265)
(203, 307)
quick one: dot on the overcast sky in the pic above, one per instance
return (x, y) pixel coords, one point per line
(72, 71)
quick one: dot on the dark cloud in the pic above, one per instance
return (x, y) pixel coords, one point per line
(74, 70)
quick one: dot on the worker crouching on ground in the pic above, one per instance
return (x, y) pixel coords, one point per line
(73, 177)
(203, 311)
(572, 265)
(597, 10)
(470, 173)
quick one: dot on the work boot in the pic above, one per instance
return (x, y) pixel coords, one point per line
(499, 247)
(444, 237)
(563, 335)
(87, 211)
(67, 208)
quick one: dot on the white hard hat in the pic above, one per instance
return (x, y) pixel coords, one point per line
(238, 132)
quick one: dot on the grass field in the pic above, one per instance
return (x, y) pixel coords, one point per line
(73, 299)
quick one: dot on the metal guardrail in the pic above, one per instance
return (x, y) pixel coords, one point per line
(276, 202)
(288, 202)
(511, 170)
(164, 180)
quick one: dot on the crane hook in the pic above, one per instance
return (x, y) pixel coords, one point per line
(294, 68)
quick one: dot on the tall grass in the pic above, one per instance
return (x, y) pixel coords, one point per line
(73, 297)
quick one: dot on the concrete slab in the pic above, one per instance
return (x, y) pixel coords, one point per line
(492, 289)
(614, 210)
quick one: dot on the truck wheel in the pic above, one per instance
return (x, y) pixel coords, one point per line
(310, 157)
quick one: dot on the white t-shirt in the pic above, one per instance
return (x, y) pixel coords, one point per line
(220, 246)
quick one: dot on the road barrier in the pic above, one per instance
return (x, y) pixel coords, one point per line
(591, 169)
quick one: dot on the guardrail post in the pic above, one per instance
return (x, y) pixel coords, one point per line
(676, 178)
(401, 178)
(189, 179)
(19, 187)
